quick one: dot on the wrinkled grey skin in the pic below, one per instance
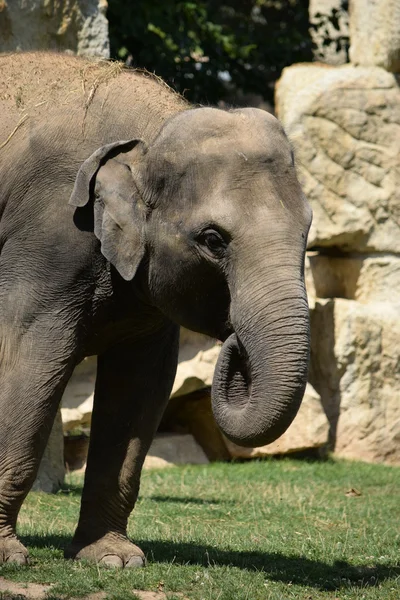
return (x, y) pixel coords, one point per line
(124, 214)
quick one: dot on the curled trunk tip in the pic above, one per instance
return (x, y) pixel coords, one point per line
(254, 400)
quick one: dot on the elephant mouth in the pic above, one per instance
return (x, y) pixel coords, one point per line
(225, 332)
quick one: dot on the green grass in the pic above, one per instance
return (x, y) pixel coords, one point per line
(272, 530)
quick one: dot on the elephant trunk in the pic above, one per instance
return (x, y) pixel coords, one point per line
(261, 373)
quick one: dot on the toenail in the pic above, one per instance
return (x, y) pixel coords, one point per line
(134, 562)
(112, 561)
(17, 558)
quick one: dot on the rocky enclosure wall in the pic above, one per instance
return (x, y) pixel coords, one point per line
(79, 26)
(344, 123)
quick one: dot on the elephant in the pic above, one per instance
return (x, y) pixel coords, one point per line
(125, 213)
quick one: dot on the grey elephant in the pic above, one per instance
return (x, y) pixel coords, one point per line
(124, 213)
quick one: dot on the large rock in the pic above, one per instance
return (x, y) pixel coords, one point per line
(308, 431)
(355, 359)
(309, 281)
(196, 363)
(192, 413)
(359, 277)
(81, 385)
(375, 33)
(345, 125)
(189, 412)
(77, 401)
(329, 31)
(77, 25)
(172, 449)
(52, 471)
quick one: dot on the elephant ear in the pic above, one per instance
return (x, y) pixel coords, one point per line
(106, 179)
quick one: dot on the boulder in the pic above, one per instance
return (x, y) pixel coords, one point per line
(188, 418)
(167, 450)
(355, 358)
(309, 281)
(52, 471)
(79, 26)
(344, 123)
(365, 278)
(329, 31)
(78, 418)
(308, 431)
(77, 401)
(192, 413)
(196, 362)
(375, 33)
(198, 355)
(171, 449)
(81, 385)
(188, 414)
(76, 449)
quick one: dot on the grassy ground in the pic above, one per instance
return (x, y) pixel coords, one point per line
(272, 530)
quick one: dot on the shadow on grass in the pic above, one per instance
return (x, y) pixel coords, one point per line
(183, 500)
(276, 566)
(71, 489)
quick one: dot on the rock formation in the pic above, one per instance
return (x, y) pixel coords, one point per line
(375, 33)
(329, 30)
(51, 471)
(79, 26)
(188, 418)
(344, 123)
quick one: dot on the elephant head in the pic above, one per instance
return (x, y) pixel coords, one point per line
(213, 209)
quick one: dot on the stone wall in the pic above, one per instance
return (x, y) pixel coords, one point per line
(79, 26)
(344, 123)
(188, 419)
(329, 30)
(375, 33)
(52, 471)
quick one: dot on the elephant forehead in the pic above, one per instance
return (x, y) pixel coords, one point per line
(248, 190)
(195, 134)
(239, 156)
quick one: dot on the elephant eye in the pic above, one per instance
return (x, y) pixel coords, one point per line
(213, 241)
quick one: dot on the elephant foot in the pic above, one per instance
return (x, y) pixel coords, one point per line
(112, 550)
(12, 551)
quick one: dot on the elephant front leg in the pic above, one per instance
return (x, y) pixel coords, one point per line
(133, 384)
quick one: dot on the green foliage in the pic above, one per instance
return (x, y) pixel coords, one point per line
(208, 49)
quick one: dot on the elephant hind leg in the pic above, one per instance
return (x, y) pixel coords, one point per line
(35, 368)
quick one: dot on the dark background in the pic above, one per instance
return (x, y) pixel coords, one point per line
(212, 51)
